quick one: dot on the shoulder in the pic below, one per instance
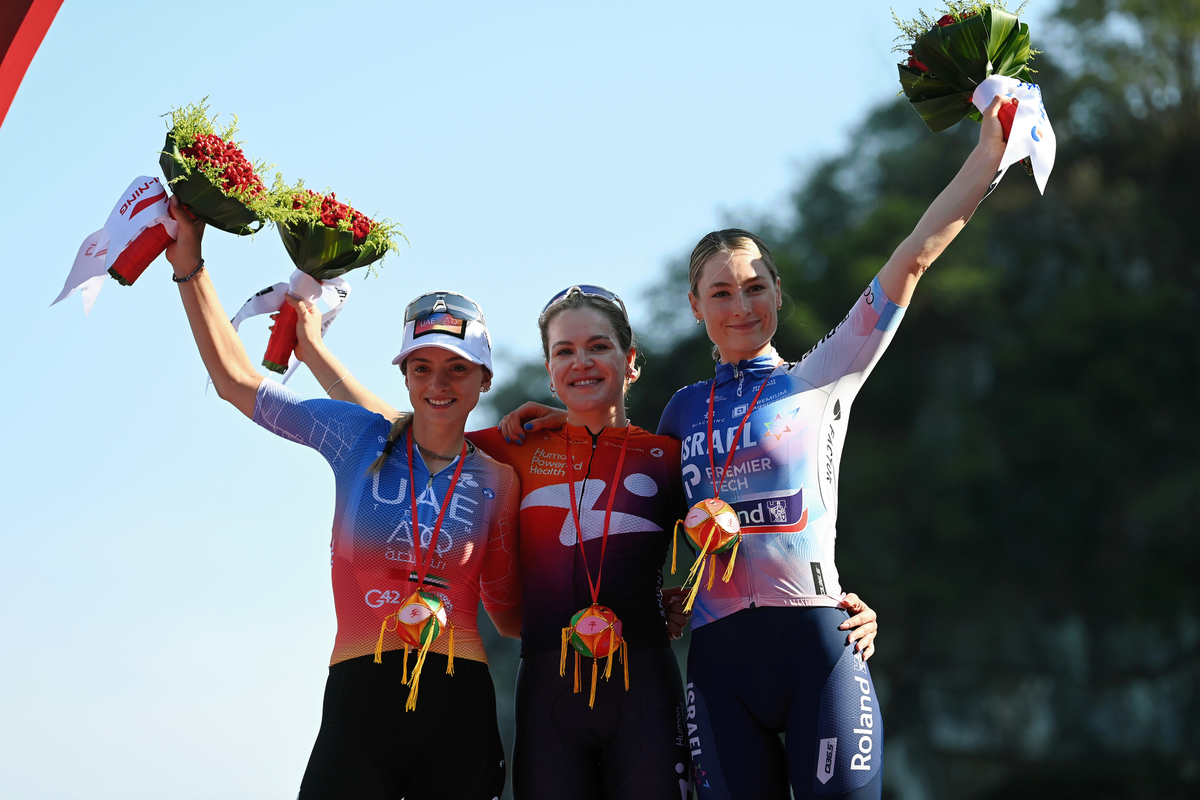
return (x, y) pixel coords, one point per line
(677, 406)
(279, 408)
(496, 476)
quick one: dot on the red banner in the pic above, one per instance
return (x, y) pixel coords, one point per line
(23, 25)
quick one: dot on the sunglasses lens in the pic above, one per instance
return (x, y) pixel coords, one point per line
(587, 290)
(453, 304)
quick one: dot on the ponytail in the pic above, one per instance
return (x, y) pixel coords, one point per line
(398, 427)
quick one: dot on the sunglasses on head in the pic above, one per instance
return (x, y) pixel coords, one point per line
(456, 305)
(587, 290)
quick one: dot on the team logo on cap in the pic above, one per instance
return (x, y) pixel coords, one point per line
(440, 323)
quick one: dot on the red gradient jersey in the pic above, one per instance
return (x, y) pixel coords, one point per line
(371, 550)
(648, 500)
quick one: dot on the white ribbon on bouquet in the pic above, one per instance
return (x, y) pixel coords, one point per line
(143, 205)
(328, 296)
(1031, 135)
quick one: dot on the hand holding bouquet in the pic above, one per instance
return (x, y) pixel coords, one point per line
(958, 63)
(325, 239)
(210, 174)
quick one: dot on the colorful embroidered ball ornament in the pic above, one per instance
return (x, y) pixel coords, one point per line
(419, 623)
(425, 614)
(713, 527)
(594, 632)
(712, 524)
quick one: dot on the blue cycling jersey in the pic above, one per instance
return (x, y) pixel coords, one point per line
(784, 475)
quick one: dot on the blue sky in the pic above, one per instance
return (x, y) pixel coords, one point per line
(168, 617)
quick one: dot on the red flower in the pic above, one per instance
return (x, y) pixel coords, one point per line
(912, 62)
(946, 20)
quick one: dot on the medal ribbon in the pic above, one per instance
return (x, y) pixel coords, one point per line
(423, 568)
(712, 464)
(612, 493)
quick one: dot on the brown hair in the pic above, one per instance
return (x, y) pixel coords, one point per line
(727, 241)
(399, 425)
(607, 309)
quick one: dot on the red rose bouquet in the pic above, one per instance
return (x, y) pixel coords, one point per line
(949, 57)
(211, 175)
(959, 62)
(325, 239)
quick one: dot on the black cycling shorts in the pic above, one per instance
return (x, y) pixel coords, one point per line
(765, 671)
(630, 745)
(370, 748)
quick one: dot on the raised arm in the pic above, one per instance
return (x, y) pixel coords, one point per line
(232, 373)
(948, 214)
(331, 373)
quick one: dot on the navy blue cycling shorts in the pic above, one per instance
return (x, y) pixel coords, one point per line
(765, 671)
(630, 745)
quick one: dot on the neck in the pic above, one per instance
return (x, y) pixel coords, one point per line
(734, 356)
(595, 421)
(438, 438)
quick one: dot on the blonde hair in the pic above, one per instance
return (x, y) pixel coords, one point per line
(399, 426)
(729, 240)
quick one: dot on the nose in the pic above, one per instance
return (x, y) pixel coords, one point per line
(743, 303)
(582, 360)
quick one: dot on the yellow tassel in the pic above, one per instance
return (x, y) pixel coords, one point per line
(414, 684)
(732, 558)
(379, 644)
(562, 659)
(625, 661)
(699, 565)
(592, 699)
(674, 543)
(404, 674)
(576, 672)
(687, 607)
(450, 659)
(712, 573)
(612, 634)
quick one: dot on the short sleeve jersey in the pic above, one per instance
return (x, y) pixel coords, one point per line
(648, 500)
(372, 547)
(784, 476)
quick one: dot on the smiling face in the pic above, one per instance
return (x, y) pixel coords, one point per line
(443, 387)
(588, 368)
(738, 301)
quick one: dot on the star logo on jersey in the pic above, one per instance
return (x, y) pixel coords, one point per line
(591, 510)
(489, 494)
(779, 426)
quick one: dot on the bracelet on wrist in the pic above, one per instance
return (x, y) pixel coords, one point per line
(190, 275)
(335, 383)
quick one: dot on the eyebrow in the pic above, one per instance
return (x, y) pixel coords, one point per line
(454, 357)
(590, 339)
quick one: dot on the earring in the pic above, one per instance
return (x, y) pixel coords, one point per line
(699, 320)
(484, 389)
(552, 390)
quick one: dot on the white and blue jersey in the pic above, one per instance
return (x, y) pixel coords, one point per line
(784, 475)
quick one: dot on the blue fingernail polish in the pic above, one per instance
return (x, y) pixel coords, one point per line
(507, 440)
(528, 426)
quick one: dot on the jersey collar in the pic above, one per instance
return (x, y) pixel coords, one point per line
(754, 368)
